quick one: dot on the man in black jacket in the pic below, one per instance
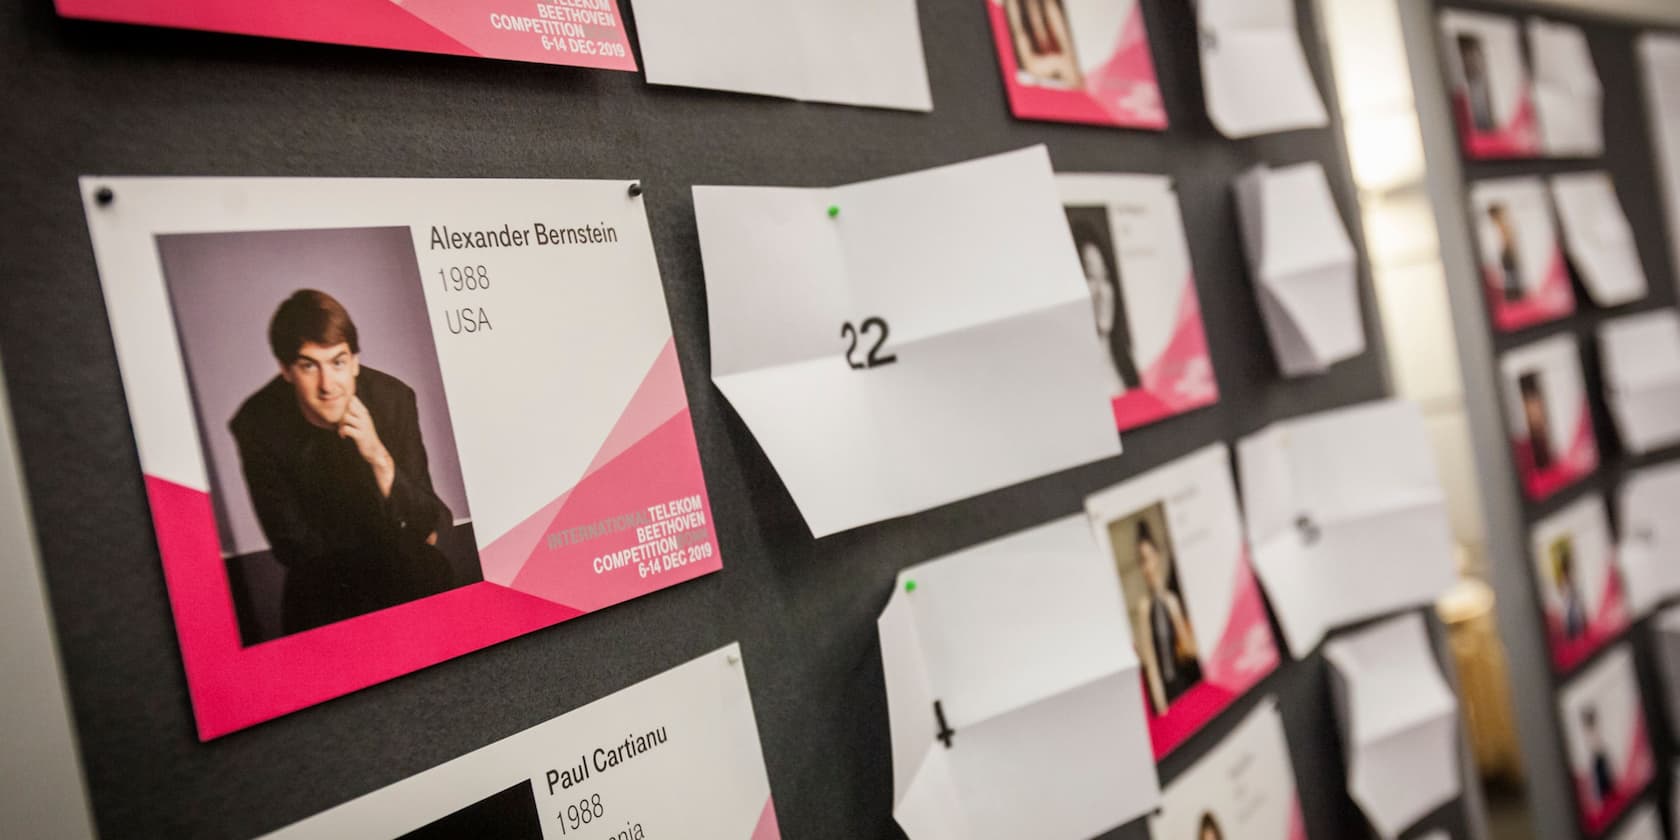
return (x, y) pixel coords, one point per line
(333, 459)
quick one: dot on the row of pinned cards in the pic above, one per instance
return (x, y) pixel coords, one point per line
(1503, 111)
(1109, 638)
(1084, 61)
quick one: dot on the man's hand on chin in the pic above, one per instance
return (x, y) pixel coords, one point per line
(357, 427)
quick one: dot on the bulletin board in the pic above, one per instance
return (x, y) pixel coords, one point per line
(1630, 161)
(106, 99)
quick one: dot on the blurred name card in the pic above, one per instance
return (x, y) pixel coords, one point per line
(1599, 239)
(1641, 363)
(1012, 693)
(1547, 415)
(676, 755)
(1567, 92)
(1605, 738)
(1346, 517)
(1244, 787)
(1492, 96)
(904, 343)
(1524, 275)
(1254, 72)
(1399, 722)
(1304, 266)
(1579, 583)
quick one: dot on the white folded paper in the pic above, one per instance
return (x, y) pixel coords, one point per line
(675, 755)
(1605, 737)
(1640, 357)
(1303, 265)
(929, 340)
(1399, 722)
(1346, 517)
(1599, 238)
(1660, 62)
(1012, 693)
(1244, 787)
(862, 52)
(1650, 536)
(1567, 93)
(1643, 824)
(1254, 71)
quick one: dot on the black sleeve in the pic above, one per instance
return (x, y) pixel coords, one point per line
(290, 539)
(414, 505)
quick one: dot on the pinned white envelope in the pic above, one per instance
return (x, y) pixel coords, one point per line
(1640, 357)
(1303, 266)
(1346, 517)
(1650, 536)
(1012, 693)
(861, 52)
(1567, 93)
(1398, 722)
(904, 343)
(1643, 824)
(1599, 238)
(1254, 72)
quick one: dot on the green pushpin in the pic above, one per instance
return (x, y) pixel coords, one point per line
(833, 211)
(909, 586)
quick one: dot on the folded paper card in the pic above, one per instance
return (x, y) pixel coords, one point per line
(1130, 240)
(1580, 584)
(1604, 736)
(863, 52)
(1399, 722)
(1650, 536)
(1642, 824)
(1492, 97)
(1346, 517)
(585, 34)
(1077, 61)
(1303, 266)
(376, 435)
(904, 343)
(1255, 74)
(1567, 94)
(1244, 787)
(1640, 358)
(1547, 415)
(1174, 535)
(688, 765)
(1659, 56)
(1599, 239)
(1524, 275)
(1012, 693)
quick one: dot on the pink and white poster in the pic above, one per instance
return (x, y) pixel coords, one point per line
(1078, 61)
(1581, 591)
(1129, 235)
(1242, 788)
(1547, 416)
(1605, 738)
(583, 33)
(386, 422)
(1524, 274)
(1198, 621)
(1492, 93)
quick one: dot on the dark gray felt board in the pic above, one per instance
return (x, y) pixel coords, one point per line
(97, 98)
(1630, 160)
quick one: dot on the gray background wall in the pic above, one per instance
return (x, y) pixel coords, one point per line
(86, 98)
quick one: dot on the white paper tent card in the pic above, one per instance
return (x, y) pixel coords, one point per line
(1254, 72)
(1524, 275)
(1650, 545)
(1580, 584)
(1346, 517)
(1604, 735)
(1547, 416)
(861, 52)
(1244, 787)
(1599, 238)
(1012, 693)
(1643, 824)
(929, 340)
(1399, 722)
(1567, 93)
(1660, 64)
(1492, 96)
(1303, 265)
(1640, 357)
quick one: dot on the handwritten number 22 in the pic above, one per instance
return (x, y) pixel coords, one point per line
(874, 359)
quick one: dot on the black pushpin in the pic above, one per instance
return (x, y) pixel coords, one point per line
(104, 196)
(635, 188)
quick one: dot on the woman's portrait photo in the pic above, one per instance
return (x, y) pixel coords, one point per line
(1043, 43)
(1144, 557)
(1209, 828)
(1094, 243)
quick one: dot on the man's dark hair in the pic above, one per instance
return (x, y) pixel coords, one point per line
(309, 316)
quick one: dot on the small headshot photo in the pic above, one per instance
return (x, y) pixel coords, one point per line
(1043, 42)
(1144, 557)
(1536, 418)
(322, 418)
(1509, 261)
(1094, 242)
(1208, 828)
(1478, 92)
(1572, 611)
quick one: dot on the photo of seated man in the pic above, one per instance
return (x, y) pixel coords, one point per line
(1161, 629)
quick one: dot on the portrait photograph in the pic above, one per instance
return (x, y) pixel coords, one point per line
(1043, 41)
(315, 386)
(1166, 642)
(1093, 240)
(1570, 605)
(1536, 419)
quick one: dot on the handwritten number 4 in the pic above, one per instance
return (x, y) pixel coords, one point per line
(874, 358)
